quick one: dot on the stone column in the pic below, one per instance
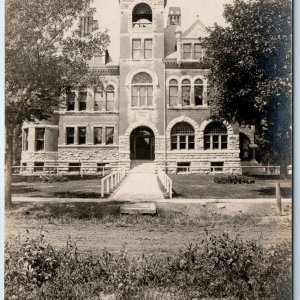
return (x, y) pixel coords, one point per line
(253, 148)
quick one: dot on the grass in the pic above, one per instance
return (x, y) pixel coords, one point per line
(198, 186)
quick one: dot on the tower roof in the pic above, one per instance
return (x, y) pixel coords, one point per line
(165, 2)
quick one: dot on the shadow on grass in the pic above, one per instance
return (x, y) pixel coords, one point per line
(270, 191)
(23, 189)
(74, 210)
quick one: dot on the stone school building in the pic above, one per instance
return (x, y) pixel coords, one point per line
(152, 105)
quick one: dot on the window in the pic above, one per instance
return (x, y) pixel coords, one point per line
(198, 51)
(141, 16)
(187, 51)
(25, 139)
(148, 49)
(70, 100)
(183, 167)
(39, 139)
(198, 91)
(110, 95)
(173, 92)
(216, 167)
(182, 136)
(186, 92)
(98, 135)
(215, 136)
(81, 135)
(74, 167)
(82, 100)
(99, 98)
(136, 49)
(70, 135)
(109, 135)
(142, 90)
(38, 166)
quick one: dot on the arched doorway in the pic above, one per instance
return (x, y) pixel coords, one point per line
(142, 144)
(244, 147)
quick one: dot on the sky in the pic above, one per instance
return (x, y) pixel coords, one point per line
(108, 12)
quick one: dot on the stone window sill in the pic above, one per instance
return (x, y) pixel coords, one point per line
(200, 107)
(88, 146)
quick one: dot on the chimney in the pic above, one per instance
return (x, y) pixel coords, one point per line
(178, 33)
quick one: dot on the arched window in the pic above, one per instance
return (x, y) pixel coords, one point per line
(215, 136)
(110, 97)
(141, 15)
(198, 91)
(182, 136)
(142, 90)
(173, 92)
(186, 92)
(99, 103)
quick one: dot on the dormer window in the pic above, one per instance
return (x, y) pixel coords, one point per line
(141, 16)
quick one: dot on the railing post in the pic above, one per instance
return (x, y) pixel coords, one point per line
(107, 185)
(171, 188)
(102, 188)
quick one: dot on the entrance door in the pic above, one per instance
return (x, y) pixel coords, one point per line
(142, 144)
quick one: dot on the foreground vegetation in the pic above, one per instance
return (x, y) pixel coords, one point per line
(219, 266)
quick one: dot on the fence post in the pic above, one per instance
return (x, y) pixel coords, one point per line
(102, 188)
(170, 186)
(278, 198)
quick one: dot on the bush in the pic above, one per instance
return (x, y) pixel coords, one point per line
(220, 266)
(47, 178)
(233, 179)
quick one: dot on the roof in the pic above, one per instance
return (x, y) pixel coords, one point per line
(197, 30)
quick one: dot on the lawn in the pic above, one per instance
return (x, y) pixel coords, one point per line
(198, 186)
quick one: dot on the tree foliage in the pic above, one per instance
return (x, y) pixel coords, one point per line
(251, 72)
(43, 55)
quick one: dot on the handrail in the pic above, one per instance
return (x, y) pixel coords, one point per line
(166, 181)
(111, 180)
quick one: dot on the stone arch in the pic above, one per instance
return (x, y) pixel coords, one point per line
(206, 122)
(132, 73)
(139, 124)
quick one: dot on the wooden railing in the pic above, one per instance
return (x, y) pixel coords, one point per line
(166, 181)
(110, 181)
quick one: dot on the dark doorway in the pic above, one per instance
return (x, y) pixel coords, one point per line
(142, 144)
(244, 147)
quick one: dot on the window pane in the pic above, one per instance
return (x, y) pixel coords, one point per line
(70, 101)
(198, 95)
(187, 51)
(99, 100)
(70, 135)
(224, 142)
(81, 135)
(198, 51)
(40, 136)
(142, 95)
(136, 49)
(82, 100)
(134, 96)
(173, 146)
(150, 95)
(148, 49)
(206, 142)
(110, 101)
(215, 142)
(25, 139)
(186, 95)
(173, 90)
(97, 135)
(109, 135)
(136, 54)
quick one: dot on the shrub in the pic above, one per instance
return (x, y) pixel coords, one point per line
(47, 178)
(219, 266)
(233, 179)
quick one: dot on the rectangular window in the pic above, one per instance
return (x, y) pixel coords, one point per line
(198, 51)
(215, 141)
(70, 101)
(191, 140)
(38, 166)
(99, 100)
(39, 139)
(173, 93)
(136, 48)
(216, 167)
(135, 96)
(183, 167)
(70, 135)
(173, 142)
(74, 167)
(198, 95)
(82, 100)
(148, 49)
(187, 51)
(98, 135)
(81, 135)
(206, 142)
(110, 101)
(109, 135)
(25, 139)
(149, 95)
(186, 95)
(182, 140)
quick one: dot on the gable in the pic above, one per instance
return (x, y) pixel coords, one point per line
(196, 31)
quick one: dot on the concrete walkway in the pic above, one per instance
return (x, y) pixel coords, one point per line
(140, 185)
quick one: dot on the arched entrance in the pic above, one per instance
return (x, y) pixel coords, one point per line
(142, 144)
(244, 147)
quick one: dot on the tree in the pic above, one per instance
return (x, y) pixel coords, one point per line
(44, 55)
(251, 79)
